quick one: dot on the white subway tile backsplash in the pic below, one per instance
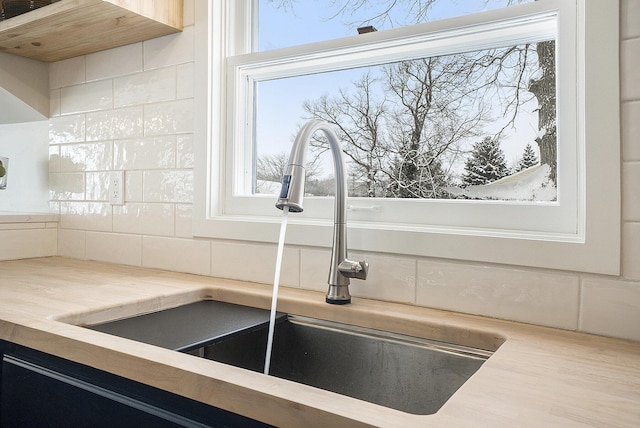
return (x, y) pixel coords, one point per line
(114, 248)
(94, 216)
(185, 79)
(150, 86)
(145, 153)
(27, 243)
(67, 72)
(114, 62)
(630, 69)
(66, 186)
(184, 221)
(172, 117)
(254, 262)
(71, 243)
(54, 207)
(169, 50)
(145, 219)
(85, 98)
(631, 191)
(314, 268)
(114, 124)
(67, 129)
(126, 218)
(390, 278)
(168, 186)
(610, 306)
(188, 12)
(180, 255)
(133, 186)
(629, 19)
(97, 186)
(631, 251)
(158, 219)
(54, 103)
(54, 158)
(185, 151)
(630, 134)
(96, 156)
(531, 296)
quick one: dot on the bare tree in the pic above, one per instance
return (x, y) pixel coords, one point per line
(431, 118)
(404, 145)
(271, 167)
(359, 121)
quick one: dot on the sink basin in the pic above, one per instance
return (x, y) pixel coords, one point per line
(188, 326)
(405, 373)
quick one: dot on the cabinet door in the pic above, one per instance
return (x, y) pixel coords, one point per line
(34, 395)
(41, 390)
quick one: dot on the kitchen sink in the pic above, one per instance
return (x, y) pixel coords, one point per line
(405, 373)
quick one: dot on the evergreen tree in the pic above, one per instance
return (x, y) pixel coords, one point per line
(486, 163)
(528, 159)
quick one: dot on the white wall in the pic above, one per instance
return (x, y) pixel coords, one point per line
(27, 147)
(131, 109)
(24, 89)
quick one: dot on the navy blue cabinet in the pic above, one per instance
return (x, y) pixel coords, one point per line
(41, 390)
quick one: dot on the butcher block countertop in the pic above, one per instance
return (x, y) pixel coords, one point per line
(537, 377)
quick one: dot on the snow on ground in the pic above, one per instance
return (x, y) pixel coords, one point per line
(531, 184)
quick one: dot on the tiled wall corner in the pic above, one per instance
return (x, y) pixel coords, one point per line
(610, 305)
(68, 72)
(72, 243)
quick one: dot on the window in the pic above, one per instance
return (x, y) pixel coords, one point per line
(440, 210)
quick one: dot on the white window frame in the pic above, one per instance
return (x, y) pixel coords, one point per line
(587, 239)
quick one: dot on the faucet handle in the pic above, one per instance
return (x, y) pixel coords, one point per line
(353, 269)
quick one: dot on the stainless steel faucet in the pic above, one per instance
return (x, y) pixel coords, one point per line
(291, 196)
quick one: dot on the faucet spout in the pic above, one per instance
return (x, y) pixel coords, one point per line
(292, 194)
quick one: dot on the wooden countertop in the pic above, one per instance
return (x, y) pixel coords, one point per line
(538, 377)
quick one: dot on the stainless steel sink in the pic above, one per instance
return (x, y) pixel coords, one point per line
(410, 374)
(405, 373)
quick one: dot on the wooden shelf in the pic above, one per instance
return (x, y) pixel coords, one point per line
(70, 28)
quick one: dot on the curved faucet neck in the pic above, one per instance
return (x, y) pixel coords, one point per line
(292, 195)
